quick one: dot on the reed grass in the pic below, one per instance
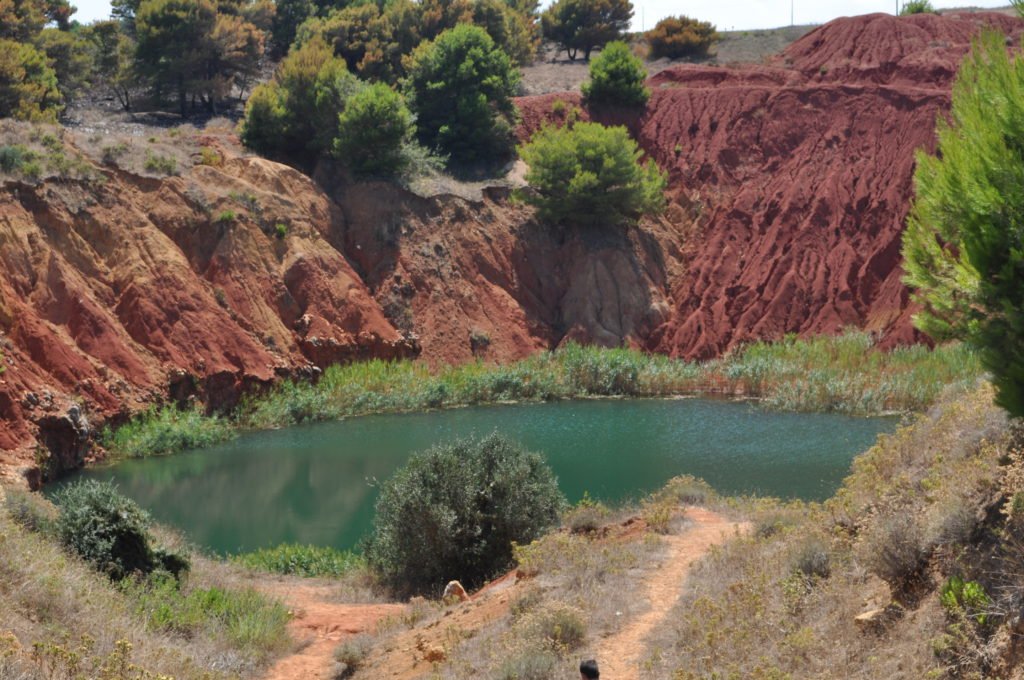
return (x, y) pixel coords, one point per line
(844, 374)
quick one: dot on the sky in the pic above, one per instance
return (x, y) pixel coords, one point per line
(727, 15)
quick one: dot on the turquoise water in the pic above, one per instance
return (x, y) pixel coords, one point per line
(317, 483)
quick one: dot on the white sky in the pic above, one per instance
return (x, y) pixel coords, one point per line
(727, 15)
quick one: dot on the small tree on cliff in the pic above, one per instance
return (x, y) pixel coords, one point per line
(585, 24)
(964, 243)
(617, 78)
(453, 512)
(373, 131)
(590, 174)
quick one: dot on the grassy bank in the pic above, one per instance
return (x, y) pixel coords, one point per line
(62, 617)
(844, 374)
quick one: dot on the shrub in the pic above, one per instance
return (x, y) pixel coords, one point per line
(616, 78)
(585, 24)
(109, 530)
(372, 132)
(895, 551)
(14, 157)
(964, 242)
(590, 174)
(164, 165)
(454, 511)
(303, 560)
(586, 516)
(210, 156)
(226, 217)
(460, 86)
(280, 230)
(677, 37)
(352, 653)
(812, 559)
(917, 7)
(969, 596)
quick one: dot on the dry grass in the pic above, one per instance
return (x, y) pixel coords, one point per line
(781, 602)
(58, 606)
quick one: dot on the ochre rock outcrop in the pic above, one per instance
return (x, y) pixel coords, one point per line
(789, 186)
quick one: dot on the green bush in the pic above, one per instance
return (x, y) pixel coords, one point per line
(303, 560)
(963, 248)
(110, 531)
(968, 596)
(454, 511)
(373, 130)
(917, 7)
(617, 78)
(166, 430)
(165, 165)
(13, 158)
(590, 174)
(677, 37)
(460, 87)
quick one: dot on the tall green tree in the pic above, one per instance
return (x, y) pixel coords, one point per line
(460, 87)
(113, 59)
(189, 47)
(586, 24)
(964, 244)
(71, 56)
(289, 16)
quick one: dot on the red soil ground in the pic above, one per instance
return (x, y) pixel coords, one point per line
(789, 186)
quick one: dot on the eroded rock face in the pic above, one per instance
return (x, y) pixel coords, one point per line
(801, 171)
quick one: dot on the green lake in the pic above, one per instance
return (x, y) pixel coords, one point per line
(317, 483)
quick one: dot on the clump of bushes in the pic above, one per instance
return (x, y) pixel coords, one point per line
(896, 551)
(303, 560)
(616, 78)
(454, 511)
(110, 531)
(678, 37)
(589, 174)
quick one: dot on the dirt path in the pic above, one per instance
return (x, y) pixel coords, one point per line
(621, 653)
(320, 625)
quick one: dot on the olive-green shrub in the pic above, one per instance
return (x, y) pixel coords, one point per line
(454, 511)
